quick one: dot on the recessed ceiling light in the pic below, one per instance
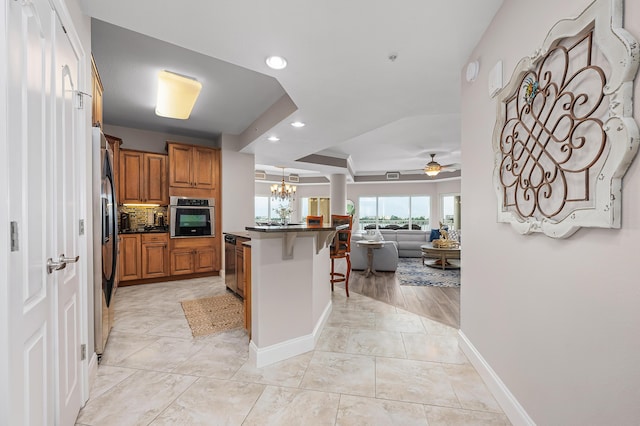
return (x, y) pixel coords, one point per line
(298, 124)
(276, 62)
(273, 139)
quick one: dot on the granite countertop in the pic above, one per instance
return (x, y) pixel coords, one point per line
(146, 230)
(292, 228)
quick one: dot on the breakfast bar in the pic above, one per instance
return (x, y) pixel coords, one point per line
(291, 292)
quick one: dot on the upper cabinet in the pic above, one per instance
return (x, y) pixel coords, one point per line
(97, 90)
(143, 178)
(192, 166)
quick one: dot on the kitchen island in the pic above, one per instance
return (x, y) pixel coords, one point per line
(290, 288)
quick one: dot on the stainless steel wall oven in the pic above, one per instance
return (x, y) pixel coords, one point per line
(192, 217)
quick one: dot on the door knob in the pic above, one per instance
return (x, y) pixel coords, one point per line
(52, 265)
(68, 259)
(55, 266)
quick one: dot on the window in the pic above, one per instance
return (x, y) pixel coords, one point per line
(450, 210)
(264, 209)
(406, 212)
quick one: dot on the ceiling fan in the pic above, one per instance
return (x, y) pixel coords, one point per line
(432, 168)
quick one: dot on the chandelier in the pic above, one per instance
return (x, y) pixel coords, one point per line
(283, 192)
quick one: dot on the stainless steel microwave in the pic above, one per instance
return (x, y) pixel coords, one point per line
(192, 217)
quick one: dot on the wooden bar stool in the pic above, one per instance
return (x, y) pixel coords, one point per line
(314, 221)
(341, 249)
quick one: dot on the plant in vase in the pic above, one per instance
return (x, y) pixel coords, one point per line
(284, 212)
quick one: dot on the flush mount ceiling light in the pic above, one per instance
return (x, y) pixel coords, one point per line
(276, 62)
(298, 124)
(273, 139)
(177, 95)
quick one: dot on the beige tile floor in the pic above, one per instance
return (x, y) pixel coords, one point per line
(374, 364)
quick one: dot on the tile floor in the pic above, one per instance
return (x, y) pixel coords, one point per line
(375, 364)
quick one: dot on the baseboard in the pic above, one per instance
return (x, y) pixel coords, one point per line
(510, 405)
(261, 357)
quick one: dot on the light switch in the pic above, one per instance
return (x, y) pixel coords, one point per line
(495, 79)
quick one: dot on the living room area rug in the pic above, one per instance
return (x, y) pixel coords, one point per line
(411, 272)
(213, 314)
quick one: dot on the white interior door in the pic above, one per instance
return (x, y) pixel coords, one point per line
(31, 324)
(43, 315)
(65, 212)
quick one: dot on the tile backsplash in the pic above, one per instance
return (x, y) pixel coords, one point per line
(141, 216)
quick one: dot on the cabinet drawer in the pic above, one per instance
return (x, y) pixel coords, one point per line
(192, 243)
(155, 238)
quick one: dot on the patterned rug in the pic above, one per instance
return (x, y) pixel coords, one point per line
(411, 272)
(213, 314)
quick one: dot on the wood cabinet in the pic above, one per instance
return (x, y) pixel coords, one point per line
(130, 257)
(192, 256)
(240, 266)
(143, 177)
(247, 287)
(192, 166)
(96, 99)
(155, 255)
(115, 143)
(143, 256)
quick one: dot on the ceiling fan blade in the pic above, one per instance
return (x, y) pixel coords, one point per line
(451, 167)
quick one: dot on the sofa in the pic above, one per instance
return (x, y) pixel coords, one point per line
(408, 241)
(401, 243)
(384, 258)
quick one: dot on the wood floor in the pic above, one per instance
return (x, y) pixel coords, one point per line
(437, 303)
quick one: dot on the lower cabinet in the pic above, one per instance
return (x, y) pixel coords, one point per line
(240, 272)
(143, 256)
(155, 255)
(247, 287)
(130, 257)
(192, 256)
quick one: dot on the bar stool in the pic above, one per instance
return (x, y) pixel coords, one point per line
(341, 249)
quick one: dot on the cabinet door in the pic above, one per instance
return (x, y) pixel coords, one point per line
(155, 255)
(96, 110)
(180, 166)
(154, 262)
(205, 260)
(130, 257)
(240, 279)
(247, 289)
(131, 165)
(155, 179)
(182, 262)
(204, 166)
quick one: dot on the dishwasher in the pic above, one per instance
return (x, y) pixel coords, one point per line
(230, 262)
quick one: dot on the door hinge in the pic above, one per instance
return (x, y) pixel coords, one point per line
(81, 227)
(15, 240)
(83, 351)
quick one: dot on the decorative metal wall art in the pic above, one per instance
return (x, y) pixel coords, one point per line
(565, 134)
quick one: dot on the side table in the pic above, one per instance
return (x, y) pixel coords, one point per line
(370, 246)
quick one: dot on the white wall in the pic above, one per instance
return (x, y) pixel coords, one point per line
(557, 320)
(237, 186)
(151, 141)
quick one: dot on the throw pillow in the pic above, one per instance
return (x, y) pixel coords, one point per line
(435, 235)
